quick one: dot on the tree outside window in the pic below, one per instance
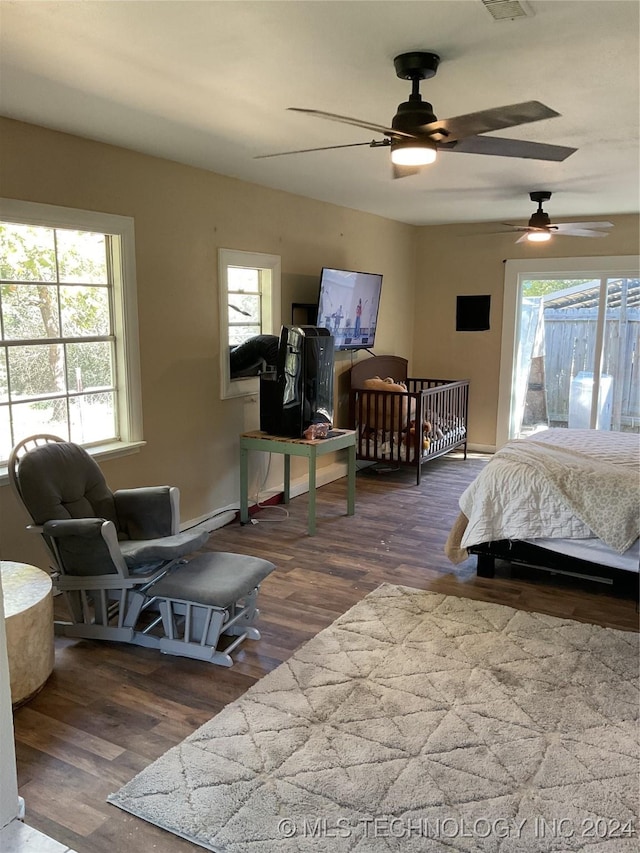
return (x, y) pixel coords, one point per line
(58, 351)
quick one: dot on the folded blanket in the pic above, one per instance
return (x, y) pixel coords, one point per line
(606, 497)
(453, 549)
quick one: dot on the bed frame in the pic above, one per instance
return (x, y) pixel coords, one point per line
(531, 556)
(384, 432)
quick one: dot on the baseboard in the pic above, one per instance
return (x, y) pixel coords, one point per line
(481, 448)
(325, 475)
(211, 521)
(274, 499)
(225, 515)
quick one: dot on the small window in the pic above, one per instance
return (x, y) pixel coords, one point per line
(69, 361)
(249, 284)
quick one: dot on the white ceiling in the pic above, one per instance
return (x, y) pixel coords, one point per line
(208, 84)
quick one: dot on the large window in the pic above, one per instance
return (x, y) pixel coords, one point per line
(249, 284)
(68, 327)
(571, 346)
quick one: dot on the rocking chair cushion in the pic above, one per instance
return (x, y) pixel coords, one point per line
(165, 548)
(145, 513)
(62, 481)
(82, 545)
(217, 579)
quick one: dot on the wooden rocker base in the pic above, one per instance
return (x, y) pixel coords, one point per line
(202, 609)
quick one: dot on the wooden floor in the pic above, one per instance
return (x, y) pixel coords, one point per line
(109, 710)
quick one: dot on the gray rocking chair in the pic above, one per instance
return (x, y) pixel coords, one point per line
(119, 559)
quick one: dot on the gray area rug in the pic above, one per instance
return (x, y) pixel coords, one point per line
(417, 722)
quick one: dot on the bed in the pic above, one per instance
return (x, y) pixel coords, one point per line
(567, 500)
(402, 421)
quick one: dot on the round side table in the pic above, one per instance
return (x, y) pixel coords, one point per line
(28, 609)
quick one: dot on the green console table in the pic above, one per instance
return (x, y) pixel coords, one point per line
(289, 447)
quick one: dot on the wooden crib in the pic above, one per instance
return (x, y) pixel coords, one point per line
(409, 427)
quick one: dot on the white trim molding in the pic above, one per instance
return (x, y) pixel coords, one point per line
(625, 266)
(125, 302)
(270, 265)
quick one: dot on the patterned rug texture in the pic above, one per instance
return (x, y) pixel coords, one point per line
(417, 722)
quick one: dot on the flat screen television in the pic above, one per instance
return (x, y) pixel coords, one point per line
(348, 306)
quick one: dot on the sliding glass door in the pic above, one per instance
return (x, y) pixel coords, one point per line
(571, 346)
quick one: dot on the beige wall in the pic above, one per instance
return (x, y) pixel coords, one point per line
(182, 216)
(453, 260)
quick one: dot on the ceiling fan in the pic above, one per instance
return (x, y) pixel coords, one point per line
(416, 135)
(540, 228)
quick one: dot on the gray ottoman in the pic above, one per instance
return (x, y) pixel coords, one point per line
(208, 599)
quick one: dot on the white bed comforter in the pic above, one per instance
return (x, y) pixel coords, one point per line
(560, 483)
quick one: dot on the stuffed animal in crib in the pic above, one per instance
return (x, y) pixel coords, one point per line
(388, 416)
(426, 433)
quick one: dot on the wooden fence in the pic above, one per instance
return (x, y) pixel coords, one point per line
(569, 344)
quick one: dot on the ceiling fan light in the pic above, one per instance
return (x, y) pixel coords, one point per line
(413, 153)
(538, 236)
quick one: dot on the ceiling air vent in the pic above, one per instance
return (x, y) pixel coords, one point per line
(507, 10)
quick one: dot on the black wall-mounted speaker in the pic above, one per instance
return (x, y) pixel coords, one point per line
(472, 313)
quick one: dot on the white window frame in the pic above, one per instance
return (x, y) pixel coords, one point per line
(623, 266)
(270, 287)
(125, 309)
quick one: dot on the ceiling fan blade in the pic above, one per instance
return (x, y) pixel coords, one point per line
(501, 147)
(566, 226)
(356, 122)
(582, 232)
(484, 121)
(403, 171)
(306, 150)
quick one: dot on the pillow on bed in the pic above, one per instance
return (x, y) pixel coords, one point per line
(396, 417)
